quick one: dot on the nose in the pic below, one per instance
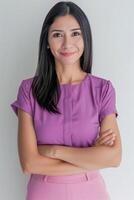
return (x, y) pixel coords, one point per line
(67, 42)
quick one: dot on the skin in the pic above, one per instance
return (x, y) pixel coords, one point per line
(107, 138)
(67, 40)
(56, 159)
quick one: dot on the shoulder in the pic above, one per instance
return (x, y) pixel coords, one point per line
(100, 83)
(103, 88)
(25, 86)
(26, 83)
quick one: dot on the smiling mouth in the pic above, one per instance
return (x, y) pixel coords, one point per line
(66, 54)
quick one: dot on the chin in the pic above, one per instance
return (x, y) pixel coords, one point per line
(70, 60)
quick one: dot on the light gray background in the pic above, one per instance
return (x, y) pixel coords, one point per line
(113, 44)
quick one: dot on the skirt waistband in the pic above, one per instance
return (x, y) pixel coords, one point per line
(86, 176)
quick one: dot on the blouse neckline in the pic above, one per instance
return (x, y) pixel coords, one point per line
(76, 84)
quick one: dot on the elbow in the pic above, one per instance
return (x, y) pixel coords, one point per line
(116, 163)
(28, 167)
(27, 170)
(117, 159)
(23, 165)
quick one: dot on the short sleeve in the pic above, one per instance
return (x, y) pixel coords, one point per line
(107, 101)
(23, 99)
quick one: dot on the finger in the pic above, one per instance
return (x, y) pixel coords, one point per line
(107, 135)
(110, 143)
(111, 140)
(107, 139)
(107, 132)
(105, 144)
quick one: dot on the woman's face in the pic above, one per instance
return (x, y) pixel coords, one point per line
(65, 40)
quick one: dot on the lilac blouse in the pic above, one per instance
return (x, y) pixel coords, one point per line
(83, 107)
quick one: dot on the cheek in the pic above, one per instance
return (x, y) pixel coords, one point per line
(54, 43)
(80, 44)
(55, 46)
(81, 49)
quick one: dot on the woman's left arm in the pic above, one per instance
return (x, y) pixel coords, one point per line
(95, 157)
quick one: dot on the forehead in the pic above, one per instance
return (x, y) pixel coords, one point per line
(65, 22)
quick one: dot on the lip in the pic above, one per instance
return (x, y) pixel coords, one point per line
(66, 54)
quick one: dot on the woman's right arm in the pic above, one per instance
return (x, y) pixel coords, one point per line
(30, 159)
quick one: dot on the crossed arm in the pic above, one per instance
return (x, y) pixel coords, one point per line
(62, 160)
(90, 158)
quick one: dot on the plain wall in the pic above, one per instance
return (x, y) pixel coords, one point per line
(112, 27)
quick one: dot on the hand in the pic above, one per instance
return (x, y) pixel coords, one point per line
(48, 150)
(107, 138)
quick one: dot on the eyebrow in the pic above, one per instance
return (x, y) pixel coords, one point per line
(74, 29)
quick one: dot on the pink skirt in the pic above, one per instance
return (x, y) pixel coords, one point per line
(84, 186)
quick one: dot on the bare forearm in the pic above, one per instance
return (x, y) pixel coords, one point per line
(90, 158)
(52, 167)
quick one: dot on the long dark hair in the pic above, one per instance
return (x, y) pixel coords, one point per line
(45, 84)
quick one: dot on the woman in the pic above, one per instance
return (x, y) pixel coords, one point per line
(67, 128)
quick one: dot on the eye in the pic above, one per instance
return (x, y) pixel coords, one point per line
(57, 35)
(76, 33)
